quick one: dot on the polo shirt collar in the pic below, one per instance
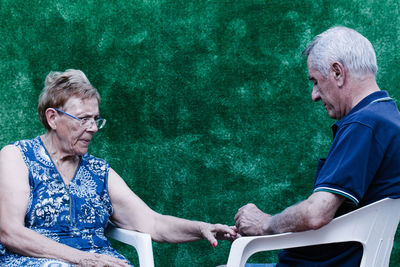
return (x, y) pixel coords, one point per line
(363, 103)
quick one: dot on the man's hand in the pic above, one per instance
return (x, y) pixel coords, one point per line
(250, 220)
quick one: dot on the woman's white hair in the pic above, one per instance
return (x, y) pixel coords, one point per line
(344, 45)
(59, 87)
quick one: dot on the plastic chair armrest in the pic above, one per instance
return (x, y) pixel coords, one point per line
(141, 242)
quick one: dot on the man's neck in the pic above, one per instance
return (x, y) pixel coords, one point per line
(362, 87)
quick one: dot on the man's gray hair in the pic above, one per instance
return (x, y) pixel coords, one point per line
(344, 45)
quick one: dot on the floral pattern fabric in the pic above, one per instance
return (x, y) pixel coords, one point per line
(75, 215)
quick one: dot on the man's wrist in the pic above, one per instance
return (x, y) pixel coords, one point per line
(266, 225)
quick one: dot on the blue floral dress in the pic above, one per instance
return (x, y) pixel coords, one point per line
(75, 215)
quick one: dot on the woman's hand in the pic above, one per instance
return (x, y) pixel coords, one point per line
(212, 232)
(100, 260)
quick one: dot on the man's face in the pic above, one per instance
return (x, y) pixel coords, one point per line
(325, 89)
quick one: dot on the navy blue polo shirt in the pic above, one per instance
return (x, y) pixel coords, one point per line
(363, 166)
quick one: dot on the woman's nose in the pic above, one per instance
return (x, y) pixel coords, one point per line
(92, 126)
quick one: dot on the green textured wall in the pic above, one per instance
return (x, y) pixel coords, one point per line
(208, 102)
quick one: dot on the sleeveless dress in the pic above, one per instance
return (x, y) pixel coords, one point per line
(75, 215)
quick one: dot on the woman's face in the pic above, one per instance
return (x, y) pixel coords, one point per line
(73, 138)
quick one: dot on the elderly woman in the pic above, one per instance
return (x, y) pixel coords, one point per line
(56, 199)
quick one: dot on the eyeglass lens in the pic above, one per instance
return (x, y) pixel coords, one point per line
(89, 122)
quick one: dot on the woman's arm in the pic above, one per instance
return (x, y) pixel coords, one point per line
(130, 212)
(14, 199)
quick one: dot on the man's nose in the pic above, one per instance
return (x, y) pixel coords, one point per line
(315, 94)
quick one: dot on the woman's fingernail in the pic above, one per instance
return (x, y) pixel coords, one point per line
(214, 244)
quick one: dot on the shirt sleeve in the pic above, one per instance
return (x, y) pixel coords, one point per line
(352, 162)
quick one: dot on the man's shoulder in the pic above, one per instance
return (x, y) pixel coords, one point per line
(376, 115)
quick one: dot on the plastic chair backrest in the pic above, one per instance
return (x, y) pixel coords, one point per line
(378, 239)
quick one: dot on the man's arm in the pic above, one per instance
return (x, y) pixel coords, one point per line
(130, 212)
(14, 199)
(312, 213)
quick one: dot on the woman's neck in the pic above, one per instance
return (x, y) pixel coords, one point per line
(55, 150)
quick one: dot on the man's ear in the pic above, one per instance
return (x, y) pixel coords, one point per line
(338, 73)
(51, 118)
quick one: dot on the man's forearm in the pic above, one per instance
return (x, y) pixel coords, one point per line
(312, 213)
(292, 219)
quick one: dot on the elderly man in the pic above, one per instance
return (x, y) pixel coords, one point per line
(362, 165)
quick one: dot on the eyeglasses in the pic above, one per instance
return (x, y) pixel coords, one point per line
(86, 122)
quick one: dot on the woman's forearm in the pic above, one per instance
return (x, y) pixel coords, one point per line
(29, 243)
(176, 230)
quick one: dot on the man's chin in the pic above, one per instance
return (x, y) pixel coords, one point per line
(332, 114)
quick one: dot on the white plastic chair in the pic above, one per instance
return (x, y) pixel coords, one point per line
(374, 226)
(141, 242)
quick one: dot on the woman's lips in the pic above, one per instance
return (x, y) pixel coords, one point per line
(85, 141)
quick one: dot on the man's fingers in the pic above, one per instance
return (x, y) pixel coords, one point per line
(237, 216)
(244, 209)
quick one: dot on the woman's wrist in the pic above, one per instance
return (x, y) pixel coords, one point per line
(81, 258)
(202, 226)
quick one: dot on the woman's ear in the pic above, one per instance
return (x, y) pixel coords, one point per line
(338, 72)
(51, 118)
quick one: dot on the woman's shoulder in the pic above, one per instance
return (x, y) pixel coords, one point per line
(11, 154)
(9, 150)
(19, 145)
(27, 142)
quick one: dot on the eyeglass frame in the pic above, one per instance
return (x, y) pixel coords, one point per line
(83, 120)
